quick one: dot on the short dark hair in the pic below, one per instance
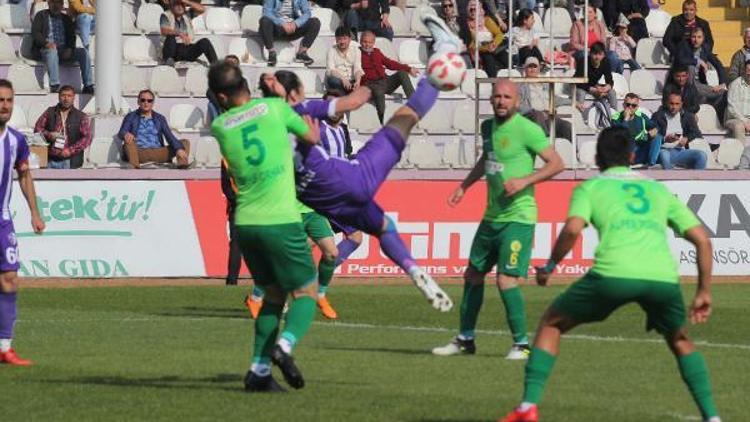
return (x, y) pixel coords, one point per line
(679, 68)
(232, 56)
(289, 80)
(67, 88)
(523, 14)
(224, 78)
(343, 31)
(598, 48)
(697, 29)
(265, 89)
(613, 147)
(632, 95)
(4, 83)
(146, 91)
(747, 62)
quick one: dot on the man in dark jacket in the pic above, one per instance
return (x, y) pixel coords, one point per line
(143, 132)
(679, 82)
(369, 15)
(678, 128)
(695, 55)
(599, 68)
(54, 40)
(66, 130)
(681, 27)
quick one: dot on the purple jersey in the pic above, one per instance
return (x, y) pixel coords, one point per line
(14, 151)
(333, 139)
(317, 109)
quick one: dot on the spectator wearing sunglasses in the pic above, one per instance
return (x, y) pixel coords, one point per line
(144, 133)
(642, 129)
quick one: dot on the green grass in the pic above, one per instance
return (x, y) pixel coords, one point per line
(179, 353)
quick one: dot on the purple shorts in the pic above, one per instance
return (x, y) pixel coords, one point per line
(8, 248)
(376, 160)
(366, 217)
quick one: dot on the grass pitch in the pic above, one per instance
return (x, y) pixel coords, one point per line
(179, 353)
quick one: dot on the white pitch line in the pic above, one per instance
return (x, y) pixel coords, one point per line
(366, 326)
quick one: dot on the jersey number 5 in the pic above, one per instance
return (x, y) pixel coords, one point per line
(254, 148)
(639, 204)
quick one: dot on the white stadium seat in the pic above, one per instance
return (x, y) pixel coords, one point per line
(424, 154)
(165, 82)
(468, 88)
(35, 110)
(539, 24)
(464, 117)
(251, 15)
(436, 121)
(248, 50)
(186, 118)
(587, 154)
(700, 144)
(365, 119)
(708, 121)
(222, 20)
(139, 51)
(417, 27)
(413, 53)
(219, 44)
(196, 81)
(643, 83)
(318, 51)
(560, 22)
(651, 53)
(199, 25)
(621, 85)
(134, 79)
(459, 153)
(386, 47)
(148, 18)
(574, 116)
(398, 22)
(329, 20)
(207, 153)
(128, 20)
(657, 22)
(285, 52)
(504, 73)
(19, 121)
(565, 149)
(7, 51)
(104, 152)
(25, 80)
(730, 152)
(14, 19)
(310, 81)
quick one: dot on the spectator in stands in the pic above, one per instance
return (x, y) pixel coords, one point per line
(695, 55)
(679, 82)
(681, 27)
(678, 127)
(84, 13)
(600, 84)
(737, 66)
(535, 102)
(636, 12)
(143, 133)
(525, 37)
(642, 129)
(288, 19)
(178, 35)
(344, 63)
(623, 45)
(374, 64)
(597, 33)
(66, 129)
(738, 106)
(492, 52)
(54, 40)
(370, 15)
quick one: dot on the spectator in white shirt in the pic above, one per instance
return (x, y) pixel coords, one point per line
(738, 110)
(344, 63)
(534, 102)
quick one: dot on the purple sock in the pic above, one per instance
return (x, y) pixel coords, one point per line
(7, 314)
(345, 247)
(423, 98)
(394, 248)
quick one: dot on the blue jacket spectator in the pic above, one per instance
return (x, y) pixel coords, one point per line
(288, 19)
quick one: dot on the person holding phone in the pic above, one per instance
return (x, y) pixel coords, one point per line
(678, 128)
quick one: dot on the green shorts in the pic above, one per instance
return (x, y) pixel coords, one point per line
(506, 244)
(594, 298)
(316, 226)
(278, 254)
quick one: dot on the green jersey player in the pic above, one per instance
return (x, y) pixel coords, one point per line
(253, 137)
(504, 237)
(632, 264)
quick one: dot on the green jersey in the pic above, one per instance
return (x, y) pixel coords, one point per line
(510, 150)
(631, 214)
(254, 140)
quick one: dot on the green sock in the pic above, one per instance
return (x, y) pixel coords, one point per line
(325, 274)
(266, 330)
(470, 306)
(695, 374)
(298, 320)
(538, 369)
(515, 314)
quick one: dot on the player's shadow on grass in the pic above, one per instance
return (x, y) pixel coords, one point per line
(167, 381)
(205, 312)
(377, 350)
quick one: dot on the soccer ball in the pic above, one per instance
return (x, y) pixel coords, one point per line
(446, 71)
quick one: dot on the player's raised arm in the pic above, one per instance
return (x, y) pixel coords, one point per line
(553, 164)
(474, 175)
(700, 309)
(29, 192)
(353, 101)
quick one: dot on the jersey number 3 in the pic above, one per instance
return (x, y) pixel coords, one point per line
(638, 203)
(254, 148)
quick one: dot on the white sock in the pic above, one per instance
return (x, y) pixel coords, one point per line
(414, 271)
(5, 344)
(715, 419)
(256, 298)
(261, 369)
(321, 295)
(464, 338)
(285, 345)
(525, 406)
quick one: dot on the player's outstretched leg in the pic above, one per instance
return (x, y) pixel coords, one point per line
(444, 41)
(694, 373)
(259, 378)
(8, 299)
(298, 320)
(347, 246)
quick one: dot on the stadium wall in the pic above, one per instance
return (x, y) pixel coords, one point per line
(175, 228)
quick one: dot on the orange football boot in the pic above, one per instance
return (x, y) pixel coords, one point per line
(517, 415)
(11, 358)
(253, 306)
(326, 309)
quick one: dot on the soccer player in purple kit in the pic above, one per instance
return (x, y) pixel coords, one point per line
(343, 190)
(14, 154)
